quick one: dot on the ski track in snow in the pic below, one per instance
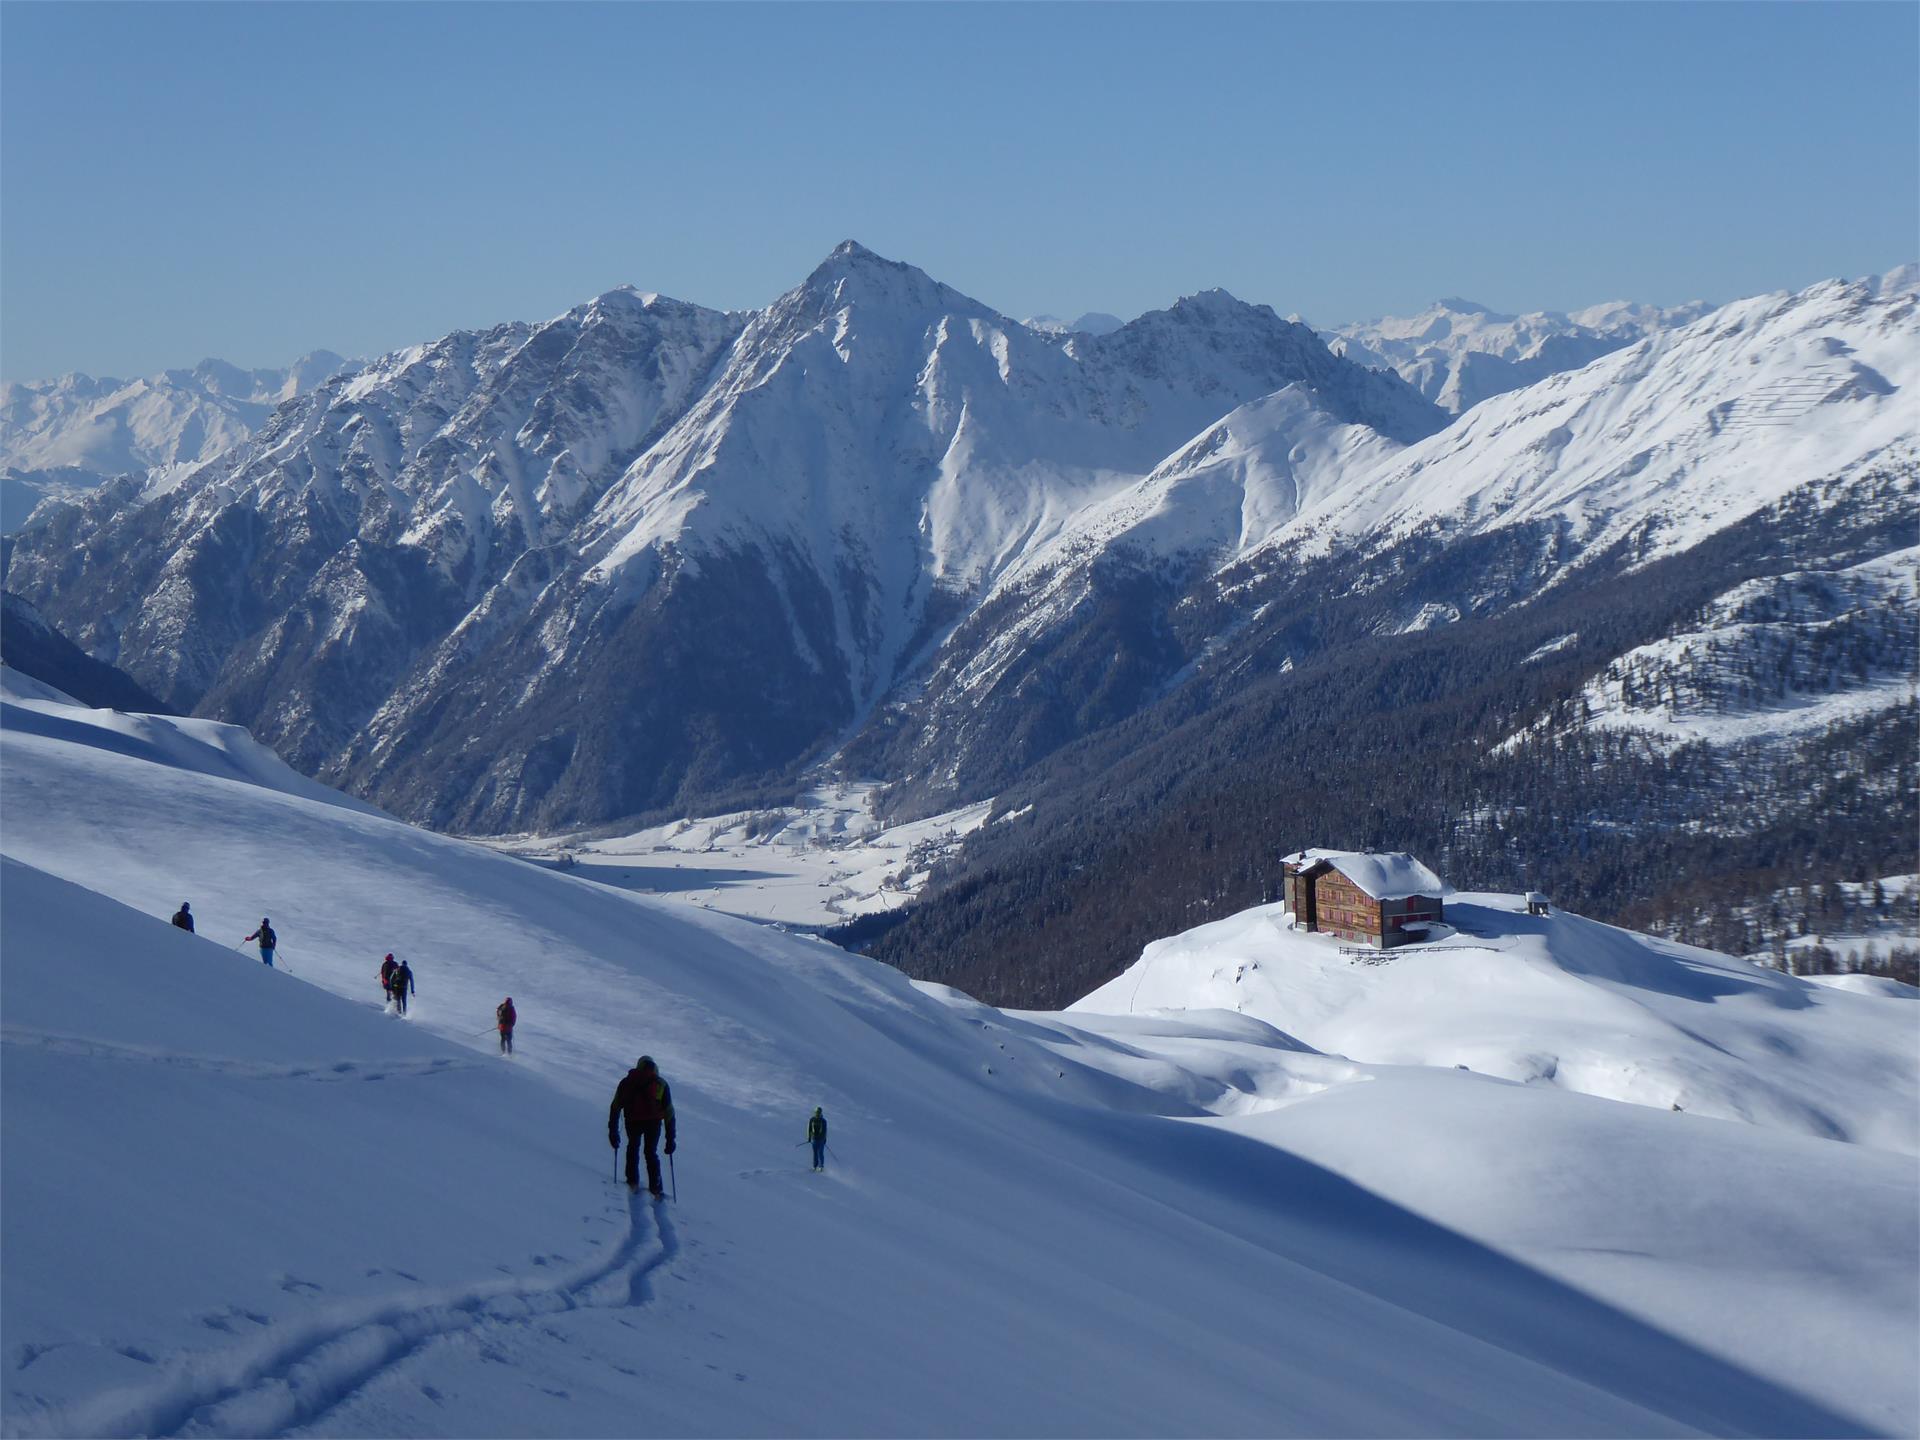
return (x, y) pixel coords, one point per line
(339, 1070)
(303, 1370)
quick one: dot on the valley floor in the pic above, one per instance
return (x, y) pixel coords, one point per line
(814, 865)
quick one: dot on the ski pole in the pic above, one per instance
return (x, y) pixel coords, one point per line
(674, 1176)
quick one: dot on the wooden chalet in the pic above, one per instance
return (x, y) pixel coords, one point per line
(1377, 898)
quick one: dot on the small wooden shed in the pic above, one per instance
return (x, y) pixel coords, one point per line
(1377, 898)
(1538, 904)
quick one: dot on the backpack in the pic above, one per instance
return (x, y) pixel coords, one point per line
(504, 1015)
(268, 940)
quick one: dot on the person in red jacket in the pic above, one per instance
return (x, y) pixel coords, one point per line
(504, 1018)
(646, 1103)
(387, 967)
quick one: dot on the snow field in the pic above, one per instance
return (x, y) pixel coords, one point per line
(1565, 1001)
(246, 1202)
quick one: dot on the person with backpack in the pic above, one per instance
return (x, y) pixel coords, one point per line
(269, 941)
(401, 986)
(387, 967)
(183, 918)
(817, 1137)
(504, 1019)
(645, 1101)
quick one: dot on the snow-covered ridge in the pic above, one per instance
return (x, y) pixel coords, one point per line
(200, 747)
(1673, 437)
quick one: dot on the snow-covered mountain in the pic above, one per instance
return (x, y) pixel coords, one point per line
(648, 557)
(648, 549)
(1458, 353)
(305, 1216)
(1196, 571)
(1672, 438)
(71, 433)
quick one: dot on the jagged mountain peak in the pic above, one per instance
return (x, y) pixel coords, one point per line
(1212, 305)
(853, 276)
(1211, 318)
(853, 250)
(629, 297)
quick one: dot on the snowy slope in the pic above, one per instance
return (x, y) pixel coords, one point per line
(1232, 487)
(240, 1204)
(1564, 1001)
(202, 747)
(1711, 1230)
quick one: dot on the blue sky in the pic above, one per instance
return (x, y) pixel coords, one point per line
(257, 180)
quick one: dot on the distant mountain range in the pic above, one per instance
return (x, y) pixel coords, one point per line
(69, 434)
(1094, 322)
(1458, 353)
(647, 558)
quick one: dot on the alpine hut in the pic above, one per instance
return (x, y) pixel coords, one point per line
(1377, 898)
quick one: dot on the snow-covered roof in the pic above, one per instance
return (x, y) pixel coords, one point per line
(1383, 874)
(1535, 897)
